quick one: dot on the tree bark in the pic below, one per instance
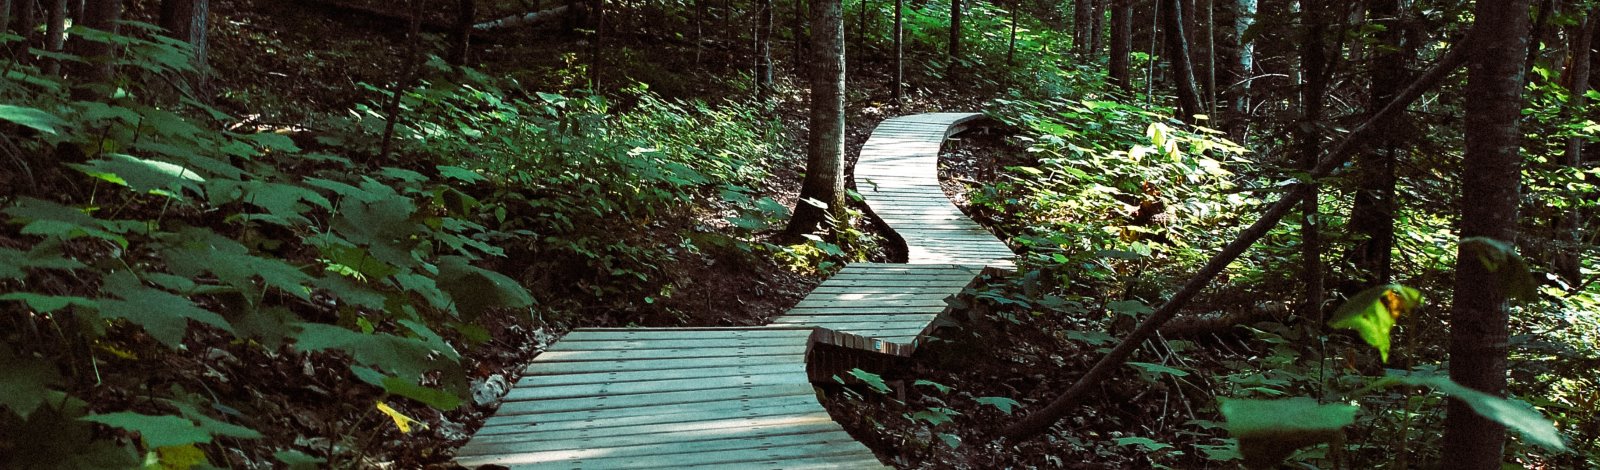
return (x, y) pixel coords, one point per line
(185, 20)
(824, 181)
(461, 38)
(955, 40)
(1037, 422)
(1121, 43)
(1491, 179)
(1097, 26)
(797, 30)
(1536, 37)
(97, 69)
(55, 35)
(1241, 72)
(596, 46)
(1011, 44)
(1178, 56)
(1082, 15)
(1373, 213)
(1314, 62)
(5, 16)
(763, 50)
(1566, 262)
(897, 90)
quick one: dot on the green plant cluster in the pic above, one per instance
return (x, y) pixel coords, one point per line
(163, 230)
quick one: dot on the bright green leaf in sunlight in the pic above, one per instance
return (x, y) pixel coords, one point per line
(1266, 437)
(1513, 414)
(1502, 259)
(872, 380)
(140, 174)
(32, 118)
(182, 457)
(1372, 313)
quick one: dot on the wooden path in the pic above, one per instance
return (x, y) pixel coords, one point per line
(742, 398)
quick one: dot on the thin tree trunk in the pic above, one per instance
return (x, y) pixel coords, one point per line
(1211, 56)
(1011, 44)
(1082, 15)
(1242, 72)
(797, 30)
(185, 20)
(1314, 60)
(699, 30)
(55, 35)
(1097, 27)
(1178, 57)
(955, 40)
(5, 16)
(824, 179)
(1491, 179)
(1536, 41)
(1373, 213)
(1566, 261)
(26, 21)
(461, 38)
(763, 50)
(861, 27)
(410, 64)
(597, 45)
(897, 91)
(1121, 43)
(1037, 422)
(97, 69)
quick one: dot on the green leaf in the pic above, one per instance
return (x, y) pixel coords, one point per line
(157, 431)
(48, 303)
(1132, 308)
(140, 174)
(163, 315)
(1513, 414)
(872, 380)
(430, 396)
(32, 118)
(297, 460)
(1372, 313)
(1501, 258)
(1152, 368)
(24, 382)
(403, 357)
(934, 416)
(475, 290)
(1266, 437)
(50, 219)
(1149, 445)
(459, 173)
(942, 388)
(1005, 405)
(951, 440)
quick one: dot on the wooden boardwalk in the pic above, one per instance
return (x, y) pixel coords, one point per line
(742, 397)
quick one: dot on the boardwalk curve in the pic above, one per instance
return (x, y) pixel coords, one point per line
(742, 397)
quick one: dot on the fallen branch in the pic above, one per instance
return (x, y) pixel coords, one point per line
(1037, 422)
(529, 18)
(377, 17)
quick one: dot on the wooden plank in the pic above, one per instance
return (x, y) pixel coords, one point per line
(683, 353)
(888, 321)
(877, 309)
(870, 303)
(653, 399)
(816, 420)
(537, 423)
(768, 446)
(875, 297)
(590, 367)
(672, 343)
(647, 375)
(844, 283)
(676, 412)
(651, 386)
(640, 334)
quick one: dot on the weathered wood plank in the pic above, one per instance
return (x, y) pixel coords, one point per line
(660, 374)
(676, 412)
(683, 353)
(816, 421)
(652, 399)
(538, 423)
(652, 386)
(590, 367)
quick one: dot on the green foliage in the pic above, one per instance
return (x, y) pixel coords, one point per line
(1372, 313)
(1266, 437)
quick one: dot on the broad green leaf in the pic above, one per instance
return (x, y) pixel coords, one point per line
(1266, 437)
(163, 315)
(272, 142)
(403, 357)
(141, 174)
(433, 397)
(297, 460)
(32, 118)
(942, 388)
(1372, 313)
(1501, 258)
(951, 440)
(1158, 369)
(1132, 308)
(48, 303)
(24, 382)
(46, 218)
(1513, 414)
(157, 431)
(934, 416)
(183, 457)
(459, 173)
(872, 380)
(1148, 444)
(1005, 405)
(475, 290)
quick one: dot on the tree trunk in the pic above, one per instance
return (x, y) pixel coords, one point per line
(25, 22)
(1490, 178)
(1241, 72)
(1011, 44)
(55, 35)
(101, 15)
(1097, 27)
(1373, 214)
(5, 16)
(1314, 62)
(763, 50)
(185, 20)
(1536, 37)
(797, 30)
(461, 38)
(897, 91)
(596, 45)
(824, 179)
(955, 40)
(1038, 421)
(1121, 43)
(1566, 261)
(1082, 15)
(1178, 56)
